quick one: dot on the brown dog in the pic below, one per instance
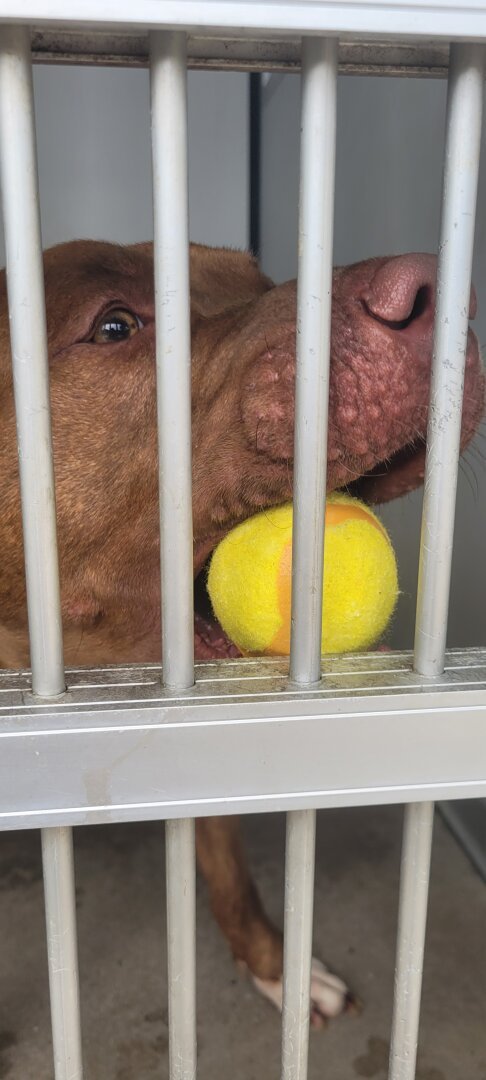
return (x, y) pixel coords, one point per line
(101, 339)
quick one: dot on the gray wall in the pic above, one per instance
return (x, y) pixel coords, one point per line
(389, 161)
(93, 131)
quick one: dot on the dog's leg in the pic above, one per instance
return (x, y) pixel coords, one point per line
(254, 941)
(234, 899)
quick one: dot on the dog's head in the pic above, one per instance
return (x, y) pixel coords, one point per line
(102, 342)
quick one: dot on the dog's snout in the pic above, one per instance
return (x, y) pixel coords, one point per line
(401, 294)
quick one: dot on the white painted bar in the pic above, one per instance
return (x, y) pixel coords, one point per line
(168, 73)
(168, 76)
(181, 947)
(461, 166)
(412, 919)
(299, 904)
(60, 902)
(314, 294)
(25, 286)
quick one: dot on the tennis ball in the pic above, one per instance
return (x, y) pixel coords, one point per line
(249, 580)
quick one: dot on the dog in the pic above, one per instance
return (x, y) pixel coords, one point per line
(101, 336)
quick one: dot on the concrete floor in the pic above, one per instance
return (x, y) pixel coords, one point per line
(122, 956)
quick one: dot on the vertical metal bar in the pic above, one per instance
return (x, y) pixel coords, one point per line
(463, 141)
(171, 259)
(172, 312)
(25, 285)
(299, 900)
(318, 143)
(463, 138)
(181, 945)
(59, 891)
(314, 294)
(412, 918)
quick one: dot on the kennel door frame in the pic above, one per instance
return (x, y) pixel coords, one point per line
(439, 21)
(384, 19)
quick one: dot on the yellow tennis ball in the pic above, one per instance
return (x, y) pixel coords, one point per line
(249, 580)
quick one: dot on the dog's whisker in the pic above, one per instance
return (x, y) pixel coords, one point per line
(467, 471)
(477, 453)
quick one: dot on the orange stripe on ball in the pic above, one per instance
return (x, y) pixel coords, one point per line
(336, 514)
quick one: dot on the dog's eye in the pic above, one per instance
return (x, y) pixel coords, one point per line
(116, 326)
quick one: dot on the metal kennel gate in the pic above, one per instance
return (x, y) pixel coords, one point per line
(375, 729)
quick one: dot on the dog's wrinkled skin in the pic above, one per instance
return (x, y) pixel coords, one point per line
(104, 428)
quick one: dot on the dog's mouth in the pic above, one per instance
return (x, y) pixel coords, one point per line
(210, 640)
(402, 472)
(399, 474)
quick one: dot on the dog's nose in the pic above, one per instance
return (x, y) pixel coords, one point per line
(401, 293)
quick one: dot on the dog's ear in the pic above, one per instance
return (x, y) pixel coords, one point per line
(224, 280)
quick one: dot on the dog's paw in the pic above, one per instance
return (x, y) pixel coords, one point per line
(329, 994)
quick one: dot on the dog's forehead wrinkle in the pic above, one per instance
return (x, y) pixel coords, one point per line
(91, 265)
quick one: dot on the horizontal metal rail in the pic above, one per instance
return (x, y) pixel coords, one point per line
(419, 18)
(427, 59)
(118, 747)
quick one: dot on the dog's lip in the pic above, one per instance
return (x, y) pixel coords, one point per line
(408, 452)
(210, 640)
(371, 485)
(204, 547)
